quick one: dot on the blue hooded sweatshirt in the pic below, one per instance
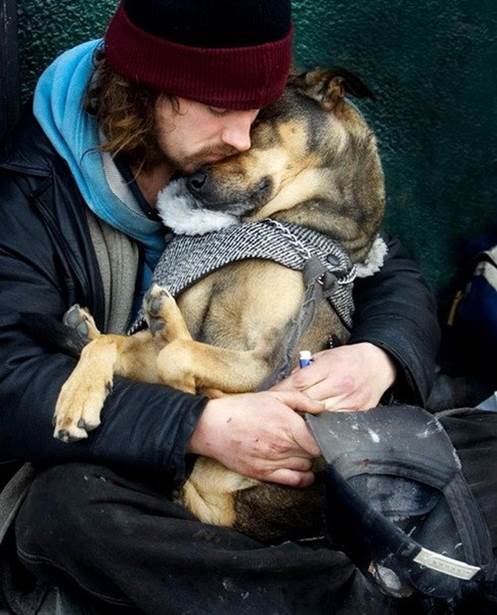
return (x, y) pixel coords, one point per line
(58, 107)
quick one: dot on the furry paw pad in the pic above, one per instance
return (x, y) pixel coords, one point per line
(157, 303)
(81, 321)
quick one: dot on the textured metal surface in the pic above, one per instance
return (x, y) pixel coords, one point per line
(432, 65)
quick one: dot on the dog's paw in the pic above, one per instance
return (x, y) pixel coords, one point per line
(157, 304)
(78, 409)
(81, 321)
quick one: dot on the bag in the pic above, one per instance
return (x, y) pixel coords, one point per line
(469, 330)
(473, 313)
(398, 505)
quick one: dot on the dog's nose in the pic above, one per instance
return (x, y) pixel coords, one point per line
(196, 182)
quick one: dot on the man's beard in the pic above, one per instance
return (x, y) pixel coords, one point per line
(192, 163)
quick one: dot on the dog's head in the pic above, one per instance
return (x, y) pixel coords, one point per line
(313, 158)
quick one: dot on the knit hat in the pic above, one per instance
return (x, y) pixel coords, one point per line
(233, 54)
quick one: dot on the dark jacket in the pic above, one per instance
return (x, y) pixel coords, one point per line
(47, 263)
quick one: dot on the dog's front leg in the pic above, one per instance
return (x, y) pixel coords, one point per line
(83, 395)
(80, 400)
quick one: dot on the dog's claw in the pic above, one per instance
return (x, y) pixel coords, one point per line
(83, 329)
(82, 424)
(156, 325)
(66, 436)
(154, 305)
(62, 434)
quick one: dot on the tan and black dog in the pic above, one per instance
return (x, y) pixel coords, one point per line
(313, 162)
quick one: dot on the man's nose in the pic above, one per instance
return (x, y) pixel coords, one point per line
(237, 133)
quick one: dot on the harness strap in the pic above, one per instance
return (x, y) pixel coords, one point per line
(314, 272)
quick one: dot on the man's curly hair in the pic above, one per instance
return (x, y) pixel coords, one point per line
(125, 114)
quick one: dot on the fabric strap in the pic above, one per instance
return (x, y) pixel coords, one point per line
(117, 257)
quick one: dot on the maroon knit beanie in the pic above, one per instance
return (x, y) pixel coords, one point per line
(233, 54)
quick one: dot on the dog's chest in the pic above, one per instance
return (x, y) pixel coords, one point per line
(187, 261)
(242, 304)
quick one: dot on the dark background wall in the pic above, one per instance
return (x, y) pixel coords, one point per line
(433, 66)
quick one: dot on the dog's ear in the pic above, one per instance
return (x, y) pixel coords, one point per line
(330, 85)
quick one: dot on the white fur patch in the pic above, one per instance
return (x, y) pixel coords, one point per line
(180, 211)
(374, 260)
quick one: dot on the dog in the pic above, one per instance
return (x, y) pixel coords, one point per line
(314, 163)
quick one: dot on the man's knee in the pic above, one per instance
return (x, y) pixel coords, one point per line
(61, 509)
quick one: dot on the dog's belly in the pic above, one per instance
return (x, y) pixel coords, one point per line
(246, 306)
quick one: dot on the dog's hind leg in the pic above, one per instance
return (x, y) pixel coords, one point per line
(210, 492)
(193, 366)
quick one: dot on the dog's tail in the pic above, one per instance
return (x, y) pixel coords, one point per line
(52, 333)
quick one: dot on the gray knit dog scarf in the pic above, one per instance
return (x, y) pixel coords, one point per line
(188, 258)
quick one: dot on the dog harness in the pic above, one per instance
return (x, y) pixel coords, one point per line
(189, 258)
(327, 269)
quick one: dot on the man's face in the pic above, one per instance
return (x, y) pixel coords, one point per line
(199, 134)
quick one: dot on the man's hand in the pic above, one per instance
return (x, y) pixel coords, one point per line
(260, 435)
(350, 377)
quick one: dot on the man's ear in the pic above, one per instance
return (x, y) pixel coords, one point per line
(328, 86)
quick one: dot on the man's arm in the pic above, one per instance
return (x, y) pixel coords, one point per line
(148, 427)
(144, 426)
(394, 342)
(261, 435)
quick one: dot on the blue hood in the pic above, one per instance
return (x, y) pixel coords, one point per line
(58, 107)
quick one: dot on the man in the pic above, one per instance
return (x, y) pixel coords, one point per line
(176, 85)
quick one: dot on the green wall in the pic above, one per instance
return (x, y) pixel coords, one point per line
(433, 66)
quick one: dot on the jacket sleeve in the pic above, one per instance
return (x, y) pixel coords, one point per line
(144, 427)
(396, 311)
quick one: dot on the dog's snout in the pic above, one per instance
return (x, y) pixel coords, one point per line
(196, 182)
